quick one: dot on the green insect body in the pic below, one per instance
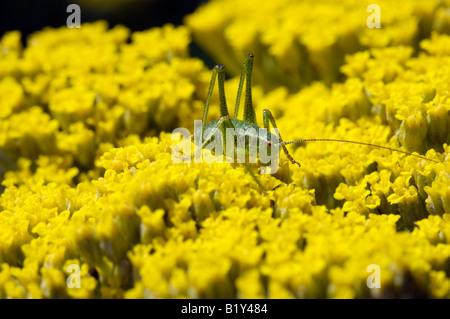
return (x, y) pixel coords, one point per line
(252, 133)
(249, 122)
(248, 126)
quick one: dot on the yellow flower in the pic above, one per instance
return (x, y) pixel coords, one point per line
(296, 54)
(250, 286)
(89, 180)
(11, 96)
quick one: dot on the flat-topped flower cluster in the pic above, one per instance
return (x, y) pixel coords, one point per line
(88, 177)
(303, 41)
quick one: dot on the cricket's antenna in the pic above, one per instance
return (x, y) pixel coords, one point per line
(360, 143)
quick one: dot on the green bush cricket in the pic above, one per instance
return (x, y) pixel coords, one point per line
(248, 125)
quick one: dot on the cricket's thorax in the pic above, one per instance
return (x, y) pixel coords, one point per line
(245, 131)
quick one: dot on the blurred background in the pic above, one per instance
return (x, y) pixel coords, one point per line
(29, 16)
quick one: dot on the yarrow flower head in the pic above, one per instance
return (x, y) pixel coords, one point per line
(90, 187)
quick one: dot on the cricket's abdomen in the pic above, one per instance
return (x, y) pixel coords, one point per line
(248, 132)
(241, 128)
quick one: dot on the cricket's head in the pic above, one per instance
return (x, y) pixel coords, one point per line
(269, 141)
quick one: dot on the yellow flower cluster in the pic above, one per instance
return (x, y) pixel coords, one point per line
(153, 229)
(83, 90)
(302, 41)
(410, 94)
(90, 181)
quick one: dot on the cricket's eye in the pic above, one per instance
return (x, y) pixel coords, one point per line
(269, 143)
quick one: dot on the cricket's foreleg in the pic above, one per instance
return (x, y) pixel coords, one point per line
(269, 119)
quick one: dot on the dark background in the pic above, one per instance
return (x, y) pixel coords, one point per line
(29, 16)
